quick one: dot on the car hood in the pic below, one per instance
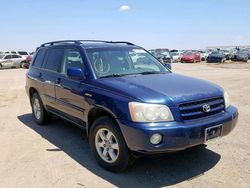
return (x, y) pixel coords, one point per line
(188, 57)
(170, 89)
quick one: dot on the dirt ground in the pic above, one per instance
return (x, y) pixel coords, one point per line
(58, 155)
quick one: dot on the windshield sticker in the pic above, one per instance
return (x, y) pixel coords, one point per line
(139, 51)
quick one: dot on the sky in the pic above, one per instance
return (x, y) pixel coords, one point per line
(173, 24)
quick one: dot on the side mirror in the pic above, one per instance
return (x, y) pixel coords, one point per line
(75, 73)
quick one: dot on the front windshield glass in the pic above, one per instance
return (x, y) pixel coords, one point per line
(123, 61)
(188, 53)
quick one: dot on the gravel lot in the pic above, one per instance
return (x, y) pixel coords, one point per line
(58, 155)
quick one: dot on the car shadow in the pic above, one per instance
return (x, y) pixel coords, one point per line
(158, 171)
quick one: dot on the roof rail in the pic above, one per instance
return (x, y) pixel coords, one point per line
(104, 41)
(61, 41)
(80, 41)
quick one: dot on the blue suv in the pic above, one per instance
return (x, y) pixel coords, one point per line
(128, 102)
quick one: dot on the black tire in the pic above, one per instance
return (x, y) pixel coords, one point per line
(1, 66)
(21, 65)
(124, 159)
(45, 117)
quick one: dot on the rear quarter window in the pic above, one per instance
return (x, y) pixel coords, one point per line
(39, 58)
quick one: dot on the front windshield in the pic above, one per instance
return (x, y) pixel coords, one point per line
(216, 53)
(123, 61)
(188, 53)
(174, 53)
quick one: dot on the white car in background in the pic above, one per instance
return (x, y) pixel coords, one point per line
(204, 55)
(10, 61)
(24, 54)
(176, 56)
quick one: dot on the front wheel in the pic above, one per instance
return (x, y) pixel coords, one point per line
(108, 145)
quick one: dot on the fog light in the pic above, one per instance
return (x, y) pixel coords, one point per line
(156, 139)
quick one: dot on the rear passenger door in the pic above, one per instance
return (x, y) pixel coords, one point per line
(49, 74)
(69, 92)
(16, 60)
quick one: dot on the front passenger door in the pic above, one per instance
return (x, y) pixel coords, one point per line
(69, 92)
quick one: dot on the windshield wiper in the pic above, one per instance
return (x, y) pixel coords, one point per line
(151, 72)
(113, 75)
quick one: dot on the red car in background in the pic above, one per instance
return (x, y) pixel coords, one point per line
(191, 57)
(26, 63)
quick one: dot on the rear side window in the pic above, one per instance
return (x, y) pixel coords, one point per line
(54, 59)
(7, 57)
(39, 58)
(22, 53)
(16, 56)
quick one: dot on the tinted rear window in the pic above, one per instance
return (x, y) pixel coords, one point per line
(54, 59)
(23, 53)
(39, 58)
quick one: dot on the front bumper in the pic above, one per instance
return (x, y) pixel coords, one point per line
(176, 135)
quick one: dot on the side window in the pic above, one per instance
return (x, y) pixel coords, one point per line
(54, 59)
(72, 58)
(15, 56)
(39, 58)
(7, 57)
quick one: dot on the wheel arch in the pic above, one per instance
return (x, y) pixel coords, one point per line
(98, 112)
(32, 90)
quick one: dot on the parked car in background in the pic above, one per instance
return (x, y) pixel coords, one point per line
(203, 55)
(9, 52)
(176, 56)
(190, 57)
(26, 63)
(240, 55)
(216, 57)
(164, 57)
(247, 51)
(227, 53)
(128, 108)
(10, 61)
(24, 54)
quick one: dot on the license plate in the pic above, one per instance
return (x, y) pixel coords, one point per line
(213, 132)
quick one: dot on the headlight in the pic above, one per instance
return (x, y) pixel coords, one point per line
(143, 112)
(226, 99)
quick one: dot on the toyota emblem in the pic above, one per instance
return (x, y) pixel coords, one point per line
(206, 108)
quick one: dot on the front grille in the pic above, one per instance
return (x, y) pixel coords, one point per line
(194, 110)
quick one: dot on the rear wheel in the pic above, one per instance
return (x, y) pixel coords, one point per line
(1, 66)
(40, 115)
(108, 145)
(22, 65)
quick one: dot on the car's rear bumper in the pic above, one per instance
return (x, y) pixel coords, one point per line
(176, 135)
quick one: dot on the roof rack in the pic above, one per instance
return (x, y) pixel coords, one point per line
(104, 41)
(61, 41)
(82, 41)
